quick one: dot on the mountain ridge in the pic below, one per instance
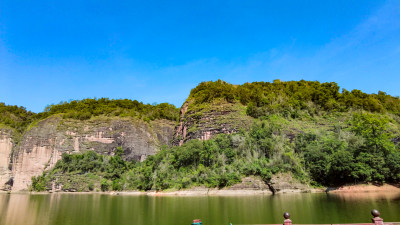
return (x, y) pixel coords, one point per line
(300, 127)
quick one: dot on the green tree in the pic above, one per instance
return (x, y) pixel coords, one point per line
(374, 128)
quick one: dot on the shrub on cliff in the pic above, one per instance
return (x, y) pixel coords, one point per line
(40, 183)
(104, 185)
(15, 117)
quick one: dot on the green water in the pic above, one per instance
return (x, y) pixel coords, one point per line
(98, 209)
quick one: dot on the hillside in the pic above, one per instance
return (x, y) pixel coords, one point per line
(310, 131)
(31, 143)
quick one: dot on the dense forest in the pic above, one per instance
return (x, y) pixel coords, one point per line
(264, 98)
(321, 136)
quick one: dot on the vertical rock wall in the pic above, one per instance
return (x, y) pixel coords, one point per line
(203, 122)
(32, 163)
(5, 154)
(42, 146)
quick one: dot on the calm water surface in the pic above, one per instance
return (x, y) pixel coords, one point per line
(98, 209)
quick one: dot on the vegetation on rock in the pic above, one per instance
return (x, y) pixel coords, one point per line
(319, 134)
(19, 118)
(288, 98)
(86, 108)
(358, 150)
(84, 172)
(15, 117)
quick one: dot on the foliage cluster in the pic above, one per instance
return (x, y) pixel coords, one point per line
(19, 118)
(362, 153)
(15, 117)
(86, 108)
(83, 171)
(289, 98)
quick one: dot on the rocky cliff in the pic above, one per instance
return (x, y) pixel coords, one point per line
(289, 121)
(204, 121)
(44, 142)
(6, 146)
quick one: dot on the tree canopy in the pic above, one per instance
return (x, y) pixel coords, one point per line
(86, 108)
(19, 118)
(263, 98)
(15, 117)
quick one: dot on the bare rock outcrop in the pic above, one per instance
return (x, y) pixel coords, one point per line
(204, 122)
(42, 145)
(251, 183)
(6, 146)
(285, 183)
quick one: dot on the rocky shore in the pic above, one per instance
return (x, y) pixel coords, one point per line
(279, 184)
(203, 191)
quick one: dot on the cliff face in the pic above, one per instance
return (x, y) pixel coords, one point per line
(5, 157)
(42, 146)
(203, 122)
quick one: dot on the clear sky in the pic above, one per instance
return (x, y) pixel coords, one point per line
(157, 51)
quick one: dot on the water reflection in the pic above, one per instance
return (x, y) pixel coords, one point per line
(98, 209)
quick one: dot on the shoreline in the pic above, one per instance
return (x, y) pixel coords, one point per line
(202, 191)
(364, 188)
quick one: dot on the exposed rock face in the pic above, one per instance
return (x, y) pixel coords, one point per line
(280, 183)
(203, 123)
(42, 146)
(5, 154)
(285, 183)
(251, 183)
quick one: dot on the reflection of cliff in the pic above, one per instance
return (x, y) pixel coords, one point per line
(376, 195)
(20, 209)
(77, 209)
(41, 146)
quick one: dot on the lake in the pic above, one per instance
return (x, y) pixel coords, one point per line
(103, 209)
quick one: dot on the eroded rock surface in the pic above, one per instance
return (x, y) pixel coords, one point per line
(251, 183)
(285, 183)
(42, 146)
(5, 154)
(204, 123)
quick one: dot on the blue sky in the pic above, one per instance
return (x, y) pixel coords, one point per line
(157, 51)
